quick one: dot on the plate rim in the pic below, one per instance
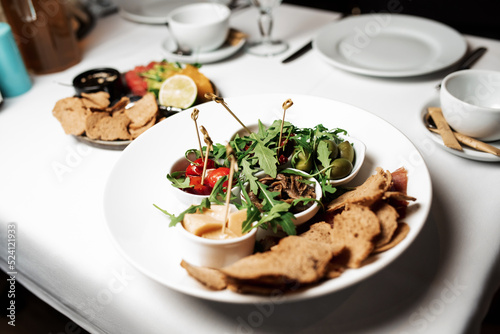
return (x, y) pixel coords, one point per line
(127, 12)
(228, 296)
(381, 73)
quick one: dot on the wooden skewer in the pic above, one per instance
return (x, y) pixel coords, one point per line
(220, 100)
(194, 117)
(209, 143)
(444, 129)
(233, 167)
(287, 104)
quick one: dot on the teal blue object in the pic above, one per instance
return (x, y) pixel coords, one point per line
(14, 79)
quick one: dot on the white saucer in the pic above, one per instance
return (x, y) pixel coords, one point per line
(225, 51)
(151, 12)
(389, 45)
(468, 153)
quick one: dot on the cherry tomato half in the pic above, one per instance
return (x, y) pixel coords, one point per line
(198, 188)
(214, 175)
(196, 168)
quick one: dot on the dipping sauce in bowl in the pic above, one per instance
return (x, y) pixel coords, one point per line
(100, 80)
(204, 243)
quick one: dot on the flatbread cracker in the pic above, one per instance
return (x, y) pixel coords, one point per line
(99, 100)
(105, 127)
(357, 226)
(388, 217)
(142, 111)
(211, 278)
(92, 129)
(367, 193)
(322, 232)
(334, 270)
(400, 233)
(116, 128)
(120, 105)
(72, 114)
(294, 259)
(135, 132)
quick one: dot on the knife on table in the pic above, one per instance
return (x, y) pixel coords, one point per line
(469, 60)
(304, 49)
(298, 53)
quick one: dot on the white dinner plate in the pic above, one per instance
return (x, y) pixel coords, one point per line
(225, 51)
(468, 152)
(389, 45)
(152, 11)
(138, 180)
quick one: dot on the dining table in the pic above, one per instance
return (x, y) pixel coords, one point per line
(54, 236)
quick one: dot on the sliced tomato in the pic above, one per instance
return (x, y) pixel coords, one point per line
(136, 83)
(196, 168)
(198, 188)
(214, 175)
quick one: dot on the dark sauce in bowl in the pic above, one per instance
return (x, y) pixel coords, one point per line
(100, 79)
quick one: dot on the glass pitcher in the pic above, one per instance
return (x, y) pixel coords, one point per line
(44, 34)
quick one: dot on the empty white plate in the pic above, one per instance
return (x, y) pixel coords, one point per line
(150, 11)
(389, 45)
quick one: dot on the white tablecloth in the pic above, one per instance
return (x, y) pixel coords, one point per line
(51, 187)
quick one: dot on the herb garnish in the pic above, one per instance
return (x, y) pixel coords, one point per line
(257, 152)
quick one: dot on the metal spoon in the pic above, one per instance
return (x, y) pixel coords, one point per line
(466, 140)
(178, 50)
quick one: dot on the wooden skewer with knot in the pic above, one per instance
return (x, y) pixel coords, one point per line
(231, 156)
(194, 117)
(209, 143)
(287, 104)
(218, 99)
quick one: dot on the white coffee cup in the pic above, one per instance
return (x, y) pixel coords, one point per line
(199, 27)
(470, 100)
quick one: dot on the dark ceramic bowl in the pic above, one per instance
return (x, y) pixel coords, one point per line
(100, 79)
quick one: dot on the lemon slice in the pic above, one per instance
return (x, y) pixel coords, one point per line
(178, 91)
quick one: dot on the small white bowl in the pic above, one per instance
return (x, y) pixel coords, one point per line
(200, 27)
(188, 199)
(359, 157)
(470, 101)
(301, 217)
(215, 253)
(182, 196)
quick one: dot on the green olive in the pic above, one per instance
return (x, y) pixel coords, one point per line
(302, 160)
(332, 147)
(346, 151)
(340, 168)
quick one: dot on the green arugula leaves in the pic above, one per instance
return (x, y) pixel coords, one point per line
(260, 152)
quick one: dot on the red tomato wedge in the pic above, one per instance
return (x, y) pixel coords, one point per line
(198, 188)
(214, 175)
(196, 168)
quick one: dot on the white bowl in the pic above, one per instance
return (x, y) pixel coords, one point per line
(215, 253)
(359, 157)
(304, 216)
(470, 101)
(182, 196)
(200, 27)
(188, 199)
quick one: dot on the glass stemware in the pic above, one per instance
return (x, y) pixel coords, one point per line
(266, 46)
